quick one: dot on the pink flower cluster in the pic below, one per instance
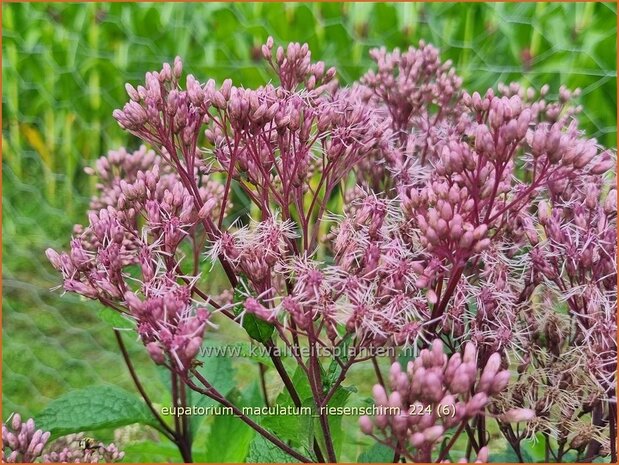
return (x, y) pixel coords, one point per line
(21, 443)
(76, 448)
(434, 394)
(138, 221)
(393, 213)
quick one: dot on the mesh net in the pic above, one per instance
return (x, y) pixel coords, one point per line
(64, 70)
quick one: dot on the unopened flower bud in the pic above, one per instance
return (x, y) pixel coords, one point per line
(193, 347)
(602, 164)
(417, 439)
(610, 204)
(470, 353)
(206, 209)
(366, 424)
(54, 258)
(481, 245)
(178, 67)
(218, 100)
(543, 212)
(433, 433)
(431, 295)
(132, 92)
(482, 455)
(476, 404)
(16, 422)
(155, 352)
(517, 415)
(500, 382)
(380, 396)
(381, 421)
(480, 232)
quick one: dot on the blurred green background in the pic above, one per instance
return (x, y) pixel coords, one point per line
(64, 68)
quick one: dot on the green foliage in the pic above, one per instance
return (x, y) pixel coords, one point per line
(252, 351)
(263, 451)
(228, 438)
(228, 441)
(154, 452)
(509, 456)
(114, 319)
(299, 429)
(220, 373)
(339, 399)
(335, 368)
(217, 369)
(94, 408)
(257, 329)
(377, 453)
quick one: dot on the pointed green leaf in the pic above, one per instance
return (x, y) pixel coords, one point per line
(94, 408)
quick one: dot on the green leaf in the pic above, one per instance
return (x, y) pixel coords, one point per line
(298, 429)
(220, 373)
(377, 453)
(509, 456)
(405, 356)
(299, 380)
(228, 440)
(152, 452)
(217, 368)
(600, 459)
(92, 409)
(263, 451)
(115, 319)
(536, 449)
(251, 351)
(339, 399)
(295, 428)
(257, 329)
(335, 368)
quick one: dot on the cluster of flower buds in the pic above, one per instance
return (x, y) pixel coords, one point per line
(171, 119)
(445, 220)
(149, 101)
(273, 141)
(293, 66)
(21, 442)
(142, 217)
(417, 95)
(409, 83)
(478, 156)
(169, 323)
(141, 206)
(77, 448)
(434, 394)
(116, 166)
(561, 110)
(126, 181)
(268, 136)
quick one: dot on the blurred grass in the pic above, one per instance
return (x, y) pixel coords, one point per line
(64, 71)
